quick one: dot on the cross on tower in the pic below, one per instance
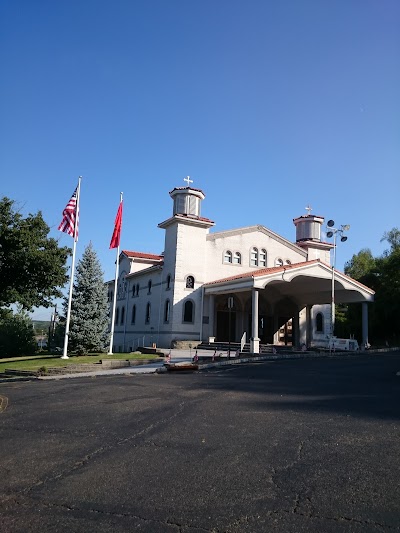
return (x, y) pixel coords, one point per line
(188, 180)
(308, 209)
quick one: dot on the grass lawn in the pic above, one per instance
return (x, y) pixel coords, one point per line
(39, 362)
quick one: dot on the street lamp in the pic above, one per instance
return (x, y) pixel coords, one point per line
(334, 232)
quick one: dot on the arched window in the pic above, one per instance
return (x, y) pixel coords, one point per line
(278, 262)
(254, 257)
(228, 257)
(148, 309)
(133, 317)
(188, 311)
(137, 289)
(288, 262)
(263, 258)
(166, 311)
(122, 315)
(319, 322)
(168, 281)
(190, 282)
(237, 258)
(116, 316)
(133, 290)
(149, 287)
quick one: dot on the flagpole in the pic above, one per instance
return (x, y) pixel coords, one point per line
(71, 281)
(110, 350)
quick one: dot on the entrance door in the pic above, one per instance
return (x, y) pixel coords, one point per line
(223, 326)
(265, 328)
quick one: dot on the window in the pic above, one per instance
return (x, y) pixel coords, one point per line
(133, 317)
(122, 315)
(228, 257)
(166, 311)
(237, 258)
(279, 262)
(254, 257)
(149, 287)
(263, 258)
(288, 262)
(168, 281)
(137, 289)
(133, 290)
(148, 309)
(188, 311)
(319, 322)
(116, 317)
(190, 282)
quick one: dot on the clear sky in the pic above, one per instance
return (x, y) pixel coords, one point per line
(268, 105)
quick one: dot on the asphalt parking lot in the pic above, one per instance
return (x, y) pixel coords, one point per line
(281, 446)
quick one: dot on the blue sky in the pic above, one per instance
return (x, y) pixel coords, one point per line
(268, 105)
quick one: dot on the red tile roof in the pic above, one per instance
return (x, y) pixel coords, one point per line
(141, 255)
(186, 189)
(194, 217)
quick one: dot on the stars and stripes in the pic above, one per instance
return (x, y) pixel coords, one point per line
(70, 221)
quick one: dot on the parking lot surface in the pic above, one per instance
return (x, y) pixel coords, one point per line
(281, 446)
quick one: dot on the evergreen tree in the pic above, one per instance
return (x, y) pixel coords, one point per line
(89, 308)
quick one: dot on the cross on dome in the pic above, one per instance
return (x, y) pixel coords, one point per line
(308, 209)
(188, 180)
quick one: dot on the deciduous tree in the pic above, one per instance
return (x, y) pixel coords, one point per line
(32, 265)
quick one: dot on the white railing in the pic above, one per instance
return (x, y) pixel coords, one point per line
(242, 341)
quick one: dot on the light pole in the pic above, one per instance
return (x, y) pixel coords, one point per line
(333, 232)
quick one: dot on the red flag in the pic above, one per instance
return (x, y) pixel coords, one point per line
(70, 216)
(117, 228)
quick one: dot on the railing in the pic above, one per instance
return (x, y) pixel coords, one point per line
(242, 341)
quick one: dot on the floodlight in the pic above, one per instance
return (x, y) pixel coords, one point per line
(346, 227)
(343, 239)
(330, 223)
(329, 234)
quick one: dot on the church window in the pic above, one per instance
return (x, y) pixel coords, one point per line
(168, 281)
(279, 262)
(288, 262)
(237, 258)
(116, 317)
(190, 282)
(133, 317)
(228, 257)
(166, 311)
(319, 322)
(188, 311)
(148, 309)
(137, 289)
(263, 258)
(149, 287)
(133, 290)
(254, 257)
(122, 315)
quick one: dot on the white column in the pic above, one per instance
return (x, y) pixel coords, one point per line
(303, 326)
(211, 304)
(364, 325)
(254, 341)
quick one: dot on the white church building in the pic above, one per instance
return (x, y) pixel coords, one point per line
(245, 283)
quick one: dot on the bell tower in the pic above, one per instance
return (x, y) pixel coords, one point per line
(308, 236)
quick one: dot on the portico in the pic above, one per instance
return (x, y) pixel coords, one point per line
(267, 299)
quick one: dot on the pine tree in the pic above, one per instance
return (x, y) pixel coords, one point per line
(89, 308)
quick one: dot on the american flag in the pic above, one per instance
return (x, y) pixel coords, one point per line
(71, 217)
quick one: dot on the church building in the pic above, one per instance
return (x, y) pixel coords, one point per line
(245, 284)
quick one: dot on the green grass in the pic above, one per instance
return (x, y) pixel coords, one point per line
(39, 362)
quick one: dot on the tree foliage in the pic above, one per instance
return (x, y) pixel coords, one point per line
(89, 309)
(32, 265)
(382, 274)
(16, 334)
